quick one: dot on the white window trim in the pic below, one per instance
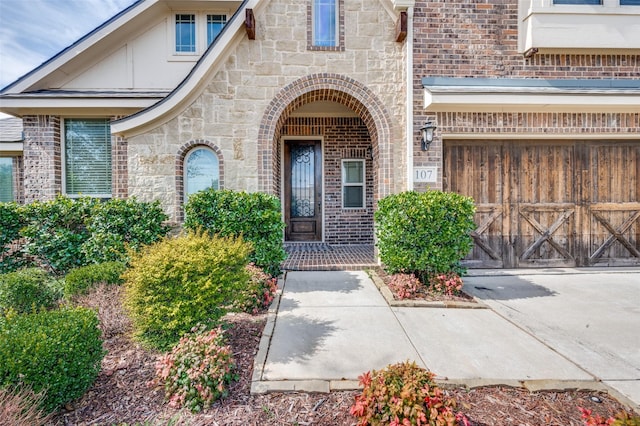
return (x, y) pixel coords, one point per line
(363, 184)
(201, 33)
(337, 28)
(63, 160)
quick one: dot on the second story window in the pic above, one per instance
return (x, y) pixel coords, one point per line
(186, 33)
(215, 23)
(325, 22)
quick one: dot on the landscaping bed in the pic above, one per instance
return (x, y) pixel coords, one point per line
(122, 393)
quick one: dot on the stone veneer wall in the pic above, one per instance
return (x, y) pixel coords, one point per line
(234, 111)
(479, 39)
(343, 138)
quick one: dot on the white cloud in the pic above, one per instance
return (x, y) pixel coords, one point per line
(33, 31)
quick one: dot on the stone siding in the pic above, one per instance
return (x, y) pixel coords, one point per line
(240, 110)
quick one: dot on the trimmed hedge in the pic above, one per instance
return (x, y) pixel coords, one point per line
(64, 233)
(79, 280)
(120, 225)
(27, 290)
(424, 233)
(57, 230)
(58, 351)
(256, 217)
(178, 283)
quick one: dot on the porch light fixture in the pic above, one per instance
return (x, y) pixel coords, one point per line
(427, 135)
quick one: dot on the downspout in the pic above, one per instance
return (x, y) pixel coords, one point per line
(409, 88)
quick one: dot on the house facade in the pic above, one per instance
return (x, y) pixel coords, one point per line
(322, 102)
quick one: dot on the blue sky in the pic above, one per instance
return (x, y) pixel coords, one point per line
(32, 31)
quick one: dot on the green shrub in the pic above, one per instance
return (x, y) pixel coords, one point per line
(28, 289)
(403, 394)
(118, 225)
(12, 220)
(58, 351)
(67, 233)
(81, 279)
(177, 283)
(256, 217)
(424, 233)
(198, 370)
(259, 292)
(57, 230)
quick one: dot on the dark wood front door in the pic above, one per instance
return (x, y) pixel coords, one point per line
(549, 203)
(303, 191)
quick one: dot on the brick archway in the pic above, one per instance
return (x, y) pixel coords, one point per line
(325, 87)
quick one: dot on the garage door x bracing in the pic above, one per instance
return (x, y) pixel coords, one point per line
(551, 203)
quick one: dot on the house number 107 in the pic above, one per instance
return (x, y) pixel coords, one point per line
(425, 174)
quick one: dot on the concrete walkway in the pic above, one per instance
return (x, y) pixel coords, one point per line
(557, 330)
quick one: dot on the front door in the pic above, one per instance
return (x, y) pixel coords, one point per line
(303, 190)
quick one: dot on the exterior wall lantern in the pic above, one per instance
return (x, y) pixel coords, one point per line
(427, 135)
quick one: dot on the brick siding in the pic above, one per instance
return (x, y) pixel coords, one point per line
(344, 138)
(478, 38)
(42, 158)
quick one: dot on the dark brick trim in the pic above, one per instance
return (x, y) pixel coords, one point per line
(310, 46)
(179, 171)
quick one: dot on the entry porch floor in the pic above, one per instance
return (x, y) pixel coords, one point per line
(312, 256)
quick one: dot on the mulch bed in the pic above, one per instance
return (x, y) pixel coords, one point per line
(424, 294)
(122, 393)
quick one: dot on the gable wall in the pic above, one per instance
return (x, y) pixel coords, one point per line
(228, 113)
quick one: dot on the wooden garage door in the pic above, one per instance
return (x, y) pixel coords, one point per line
(551, 203)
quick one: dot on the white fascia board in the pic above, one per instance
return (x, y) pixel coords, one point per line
(72, 51)
(191, 87)
(527, 100)
(26, 106)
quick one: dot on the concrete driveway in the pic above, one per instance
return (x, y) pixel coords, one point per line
(589, 316)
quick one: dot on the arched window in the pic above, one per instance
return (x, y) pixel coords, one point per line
(201, 170)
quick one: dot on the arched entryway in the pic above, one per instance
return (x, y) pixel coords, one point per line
(325, 148)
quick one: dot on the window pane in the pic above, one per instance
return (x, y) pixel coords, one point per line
(630, 2)
(577, 1)
(324, 23)
(6, 179)
(185, 33)
(215, 23)
(202, 171)
(353, 172)
(352, 196)
(87, 157)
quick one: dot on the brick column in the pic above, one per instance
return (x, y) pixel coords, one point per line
(42, 157)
